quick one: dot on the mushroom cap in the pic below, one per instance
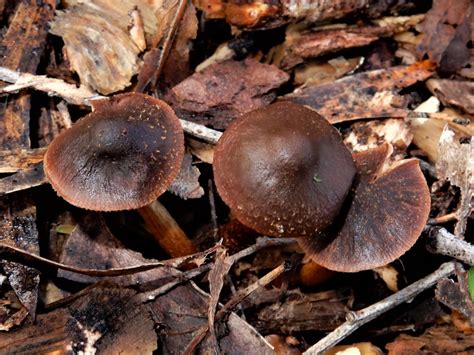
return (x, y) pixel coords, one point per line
(121, 156)
(283, 170)
(388, 212)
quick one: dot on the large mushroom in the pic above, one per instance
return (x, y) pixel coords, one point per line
(284, 171)
(121, 156)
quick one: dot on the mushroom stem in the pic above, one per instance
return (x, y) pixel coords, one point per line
(166, 231)
(312, 274)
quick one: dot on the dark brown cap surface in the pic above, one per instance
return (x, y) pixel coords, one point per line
(283, 170)
(121, 156)
(384, 220)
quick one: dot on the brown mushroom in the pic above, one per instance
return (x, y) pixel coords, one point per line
(121, 156)
(384, 219)
(283, 170)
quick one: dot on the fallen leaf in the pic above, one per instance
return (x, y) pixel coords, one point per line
(389, 275)
(446, 30)
(456, 296)
(364, 95)
(225, 90)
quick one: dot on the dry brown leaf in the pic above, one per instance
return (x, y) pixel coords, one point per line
(456, 296)
(447, 31)
(226, 90)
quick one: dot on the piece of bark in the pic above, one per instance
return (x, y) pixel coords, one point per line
(364, 95)
(19, 159)
(269, 14)
(453, 92)
(294, 311)
(456, 164)
(104, 320)
(439, 339)
(21, 49)
(18, 229)
(98, 46)
(23, 180)
(313, 44)
(456, 296)
(52, 122)
(447, 31)
(186, 185)
(226, 90)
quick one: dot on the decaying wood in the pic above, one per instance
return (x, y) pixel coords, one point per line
(363, 316)
(22, 47)
(293, 311)
(275, 13)
(18, 229)
(441, 339)
(19, 159)
(23, 180)
(106, 320)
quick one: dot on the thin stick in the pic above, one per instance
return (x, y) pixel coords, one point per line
(445, 243)
(28, 258)
(356, 319)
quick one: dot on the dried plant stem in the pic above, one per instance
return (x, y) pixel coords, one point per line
(356, 319)
(445, 243)
(166, 231)
(443, 219)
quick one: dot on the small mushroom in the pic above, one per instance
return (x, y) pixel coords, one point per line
(121, 156)
(283, 170)
(384, 219)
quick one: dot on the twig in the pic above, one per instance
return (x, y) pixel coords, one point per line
(356, 319)
(29, 258)
(82, 96)
(445, 243)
